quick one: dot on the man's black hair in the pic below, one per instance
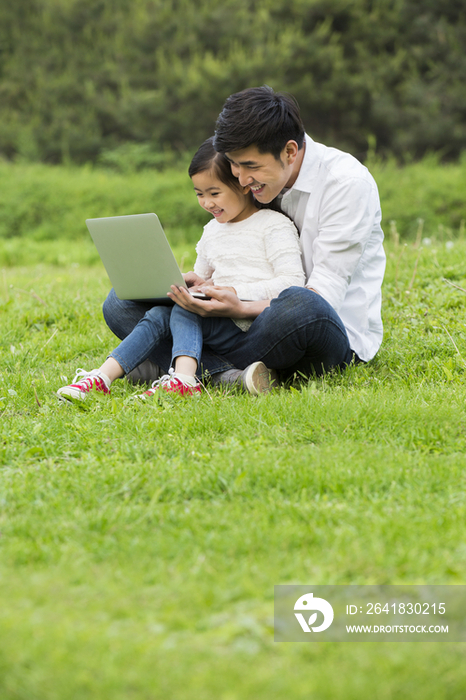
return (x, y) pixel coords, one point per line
(207, 158)
(259, 117)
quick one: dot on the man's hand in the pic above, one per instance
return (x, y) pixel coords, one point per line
(223, 301)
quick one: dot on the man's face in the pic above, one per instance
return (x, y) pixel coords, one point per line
(262, 172)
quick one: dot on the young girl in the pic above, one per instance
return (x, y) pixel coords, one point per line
(255, 251)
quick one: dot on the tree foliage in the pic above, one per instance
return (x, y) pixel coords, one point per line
(81, 78)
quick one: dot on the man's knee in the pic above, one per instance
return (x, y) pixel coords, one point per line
(109, 307)
(292, 293)
(299, 303)
(119, 315)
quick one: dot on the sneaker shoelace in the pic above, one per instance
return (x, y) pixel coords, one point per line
(170, 382)
(164, 381)
(88, 380)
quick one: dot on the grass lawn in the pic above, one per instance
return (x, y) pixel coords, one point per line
(140, 544)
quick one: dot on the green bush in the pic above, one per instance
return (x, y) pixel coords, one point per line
(425, 194)
(41, 202)
(80, 77)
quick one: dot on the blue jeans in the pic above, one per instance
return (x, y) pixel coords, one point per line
(298, 332)
(169, 331)
(191, 332)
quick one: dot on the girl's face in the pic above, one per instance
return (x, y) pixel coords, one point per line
(227, 205)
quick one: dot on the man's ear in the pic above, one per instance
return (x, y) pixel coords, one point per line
(290, 152)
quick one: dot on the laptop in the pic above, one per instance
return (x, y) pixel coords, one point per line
(137, 257)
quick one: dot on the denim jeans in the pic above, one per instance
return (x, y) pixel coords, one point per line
(298, 332)
(191, 332)
(162, 333)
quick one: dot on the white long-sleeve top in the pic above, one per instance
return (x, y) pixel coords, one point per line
(259, 257)
(335, 205)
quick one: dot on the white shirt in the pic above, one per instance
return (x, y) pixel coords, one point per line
(335, 205)
(259, 257)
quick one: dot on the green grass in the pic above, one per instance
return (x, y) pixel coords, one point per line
(140, 543)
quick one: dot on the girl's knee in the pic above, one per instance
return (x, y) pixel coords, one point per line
(158, 313)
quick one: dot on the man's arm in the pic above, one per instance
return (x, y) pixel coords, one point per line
(348, 215)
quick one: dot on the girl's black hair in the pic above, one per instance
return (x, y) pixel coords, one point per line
(207, 158)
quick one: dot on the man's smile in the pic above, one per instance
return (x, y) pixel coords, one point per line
(255, 189)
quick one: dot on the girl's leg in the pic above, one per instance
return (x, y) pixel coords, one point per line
(186, 331)
(190, 332)
(112, 369)
(122, 316)
(152, 330)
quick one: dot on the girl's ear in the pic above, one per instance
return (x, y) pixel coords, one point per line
(246, 189)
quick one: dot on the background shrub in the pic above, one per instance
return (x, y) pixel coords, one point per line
(41, 202)
(79, 78)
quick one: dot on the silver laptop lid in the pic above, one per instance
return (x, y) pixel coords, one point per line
(136, 255)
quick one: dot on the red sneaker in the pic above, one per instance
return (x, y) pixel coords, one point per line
(80, 388)
(173, 385)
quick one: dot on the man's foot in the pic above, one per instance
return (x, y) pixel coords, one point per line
(172, 384)
(145, 373)
(255, 379)
(83, 383)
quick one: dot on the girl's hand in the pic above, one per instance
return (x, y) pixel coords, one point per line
(193, 280)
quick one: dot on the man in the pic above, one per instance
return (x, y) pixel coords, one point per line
(334, 203)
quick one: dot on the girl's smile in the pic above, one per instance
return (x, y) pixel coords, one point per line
(226, 204)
